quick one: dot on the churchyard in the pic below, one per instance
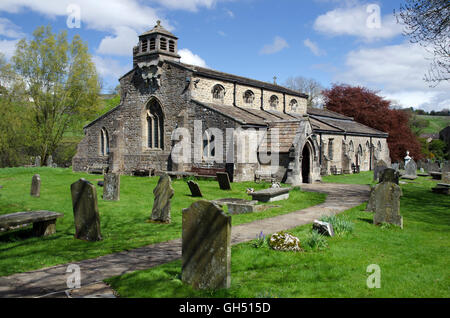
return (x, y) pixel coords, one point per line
(124, 223)
(413, 261)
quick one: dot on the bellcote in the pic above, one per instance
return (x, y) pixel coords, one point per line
(157, 43)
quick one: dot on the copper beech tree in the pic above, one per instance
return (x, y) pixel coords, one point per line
(366, 107)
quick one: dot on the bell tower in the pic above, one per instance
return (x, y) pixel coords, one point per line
(156, 44)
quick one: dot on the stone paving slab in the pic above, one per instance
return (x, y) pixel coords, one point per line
(51, 281)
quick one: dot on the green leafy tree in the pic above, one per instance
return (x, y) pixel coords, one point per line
(438, 148)
(60, 80)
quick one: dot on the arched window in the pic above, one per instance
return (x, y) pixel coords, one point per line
(163, 44)
(379, 146)
(293, 104)
(171, 46)
(249, 97)
(273, 101)
(351, 148)
(152, 44)
(330, 149)
(218, 92)
(104, 142)
(155, 126)
(144, 45)
(208, 145)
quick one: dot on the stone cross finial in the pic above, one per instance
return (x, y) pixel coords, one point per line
(274, 79)
(158, 23)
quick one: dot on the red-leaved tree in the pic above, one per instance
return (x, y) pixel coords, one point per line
(367, 108)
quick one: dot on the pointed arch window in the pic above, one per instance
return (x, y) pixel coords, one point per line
(330, 149)
(351, 148)
(155, 126)
(209, 150)
(104, 142)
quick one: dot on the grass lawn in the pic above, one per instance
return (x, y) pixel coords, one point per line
(414, 262)
(123, 223)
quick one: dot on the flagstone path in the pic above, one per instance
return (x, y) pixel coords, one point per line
(52, 281)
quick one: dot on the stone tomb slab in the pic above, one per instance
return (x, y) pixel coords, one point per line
(224, 180)
(271, 194)
(44, 222)
(206, 246)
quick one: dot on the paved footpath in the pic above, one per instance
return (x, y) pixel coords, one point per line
(52, 281)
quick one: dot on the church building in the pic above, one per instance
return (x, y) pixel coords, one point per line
(161, 96)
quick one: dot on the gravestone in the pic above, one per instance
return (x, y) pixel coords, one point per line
(446, 177)
(386, 204)
(163, 192)
(206, 246)
(111, 187)
(445, 167)
(395, 166)
(390, 175)
(49, 162)
(36, 186)
(371, 203)
(224, 180)
(85, 211)
(411, 168)
(379, 168)
(195, 189)
(37, 161)
(323, 228)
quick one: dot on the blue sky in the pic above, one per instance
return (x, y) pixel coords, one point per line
(332, 41)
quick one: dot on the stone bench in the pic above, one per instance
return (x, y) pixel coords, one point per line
(44, 222)
(97, 169)
(335, 170)
(271, 194)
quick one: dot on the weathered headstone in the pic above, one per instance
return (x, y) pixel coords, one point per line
(195, 189)
(111, 187)
(36, 186)
(85, 211)
(49, 162)
(163, 192)
(387, 204)
(323, 228)
(411, 168)
(379, 168)
(224, 180)
(37, 161)
(371, 203)
(395, 166)
(206, 246)
(446, 177)
(390, 175)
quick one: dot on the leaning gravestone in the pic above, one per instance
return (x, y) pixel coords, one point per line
(111, 187)
(379, 168)
(161, 206)
(386, 202)
(85, 211)
(323, 228)
(36, 186)
(224, 180)
(206, 246)
(195, 189)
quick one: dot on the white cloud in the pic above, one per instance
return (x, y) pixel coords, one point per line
(188, 57)
(278, 44)
(398, 71)
(229, 13)
(314, 47)
(103, 15)
(109, 68)
(9, 29)
(8, 47)
(121, 44)
(362, 21)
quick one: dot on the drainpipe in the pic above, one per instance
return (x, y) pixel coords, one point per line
(320, 149)
(370, 151)
(234, 94)
(262, 99)
(284, 103)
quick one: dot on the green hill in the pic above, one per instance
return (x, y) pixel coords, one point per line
(435, 123)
